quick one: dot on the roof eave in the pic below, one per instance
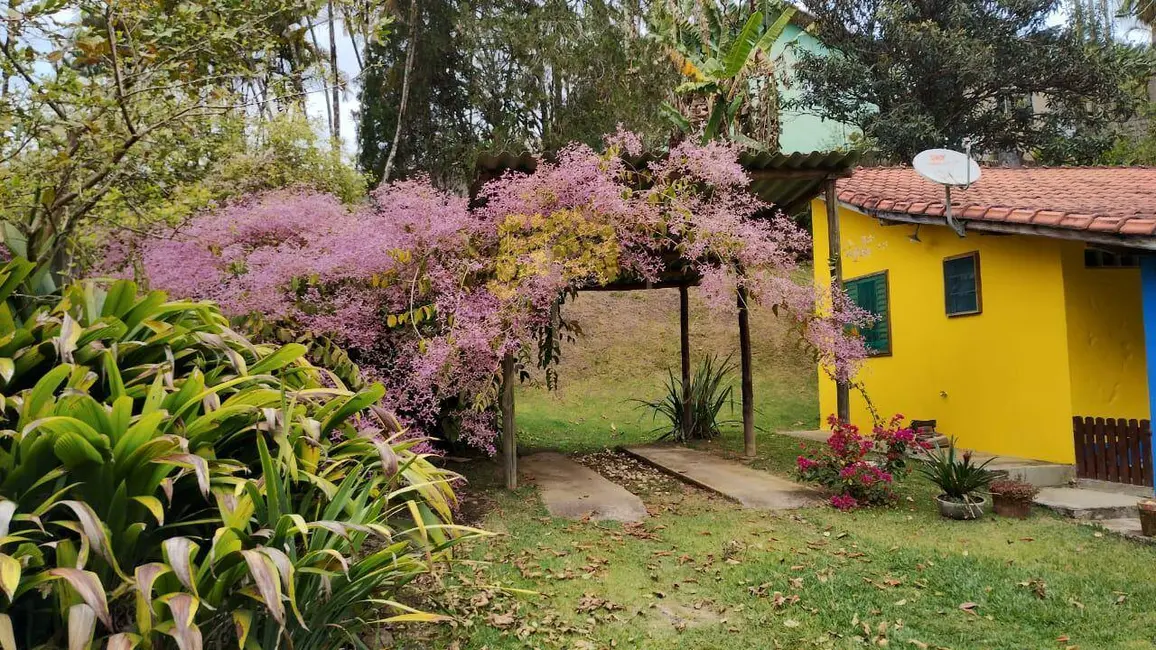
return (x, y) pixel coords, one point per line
(1139, 242)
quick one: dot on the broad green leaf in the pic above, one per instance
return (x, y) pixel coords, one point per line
(286, 355)
(7, 369)
(154, 506)
(74, 451)
(741, 49)
(772, 34)
(119, 299)
(14, 272)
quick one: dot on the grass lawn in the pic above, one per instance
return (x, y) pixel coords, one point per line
(629, 344)
(702, 573)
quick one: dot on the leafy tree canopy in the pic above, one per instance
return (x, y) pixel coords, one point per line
(914, 74)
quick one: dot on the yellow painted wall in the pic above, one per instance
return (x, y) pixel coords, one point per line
(1105, 338)
(999, 380)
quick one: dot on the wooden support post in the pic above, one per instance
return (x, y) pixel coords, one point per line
(509, 443)
(842, 389)
(747, 379)
(684, 344)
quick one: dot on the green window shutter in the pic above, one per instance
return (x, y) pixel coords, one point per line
(869, 293)
(961, 285)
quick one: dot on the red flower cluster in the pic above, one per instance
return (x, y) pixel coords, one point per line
(843, 465)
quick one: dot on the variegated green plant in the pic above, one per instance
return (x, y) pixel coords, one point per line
(163, 481)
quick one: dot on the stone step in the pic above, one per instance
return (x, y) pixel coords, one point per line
(1079, 503)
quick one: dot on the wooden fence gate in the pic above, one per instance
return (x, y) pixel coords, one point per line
(1114, 450)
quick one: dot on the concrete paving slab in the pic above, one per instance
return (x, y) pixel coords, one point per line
(573, 491)
(751, 488)
(1127, 527)
(1079, 503)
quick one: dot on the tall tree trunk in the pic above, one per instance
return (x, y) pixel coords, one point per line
(336, 73)
(404, 90)
(328, 101)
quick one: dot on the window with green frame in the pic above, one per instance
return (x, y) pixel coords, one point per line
(961, 292)
(870, 293)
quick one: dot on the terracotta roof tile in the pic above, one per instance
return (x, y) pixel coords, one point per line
(1099, 199)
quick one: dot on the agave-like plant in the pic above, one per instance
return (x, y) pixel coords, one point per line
(161, 476)
(709, 392)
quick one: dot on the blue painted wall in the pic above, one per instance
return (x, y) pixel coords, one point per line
(1148, 293)
(802, 130)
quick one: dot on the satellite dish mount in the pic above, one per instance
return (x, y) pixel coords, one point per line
(950, 169)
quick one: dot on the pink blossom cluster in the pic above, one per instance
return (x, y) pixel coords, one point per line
(409, 281)
(844, 502)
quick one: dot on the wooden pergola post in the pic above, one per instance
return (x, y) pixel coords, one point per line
(509, 443)
(842, 390)
(684, 344)
(747, 379)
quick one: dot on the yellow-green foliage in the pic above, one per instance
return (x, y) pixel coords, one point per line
(533, 245)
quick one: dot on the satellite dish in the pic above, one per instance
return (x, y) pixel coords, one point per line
(949, 169)
(946, 167)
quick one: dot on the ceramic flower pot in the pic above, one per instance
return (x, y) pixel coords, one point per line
(1008, 507)
(972, 508)
(1147, 517)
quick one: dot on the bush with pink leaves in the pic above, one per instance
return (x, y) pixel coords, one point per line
(428, 293)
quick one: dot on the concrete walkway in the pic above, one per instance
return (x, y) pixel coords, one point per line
(750, 487)
(1079, 503)
(573, 491)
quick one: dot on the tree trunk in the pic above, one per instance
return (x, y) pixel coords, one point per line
(336, 73)
(328, 101)
(404, 90)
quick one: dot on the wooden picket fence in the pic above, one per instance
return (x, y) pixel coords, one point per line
(1116, 450)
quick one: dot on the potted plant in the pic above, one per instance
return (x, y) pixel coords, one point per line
(960, 480)
(1011, 498)
(1147, 509)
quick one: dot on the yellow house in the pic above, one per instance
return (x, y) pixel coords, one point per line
(1023, 313)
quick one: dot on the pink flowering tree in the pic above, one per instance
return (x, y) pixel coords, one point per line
(428, 294)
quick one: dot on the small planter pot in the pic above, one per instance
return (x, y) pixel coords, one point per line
(1147, 518)
(971, 509)
(1007, 507)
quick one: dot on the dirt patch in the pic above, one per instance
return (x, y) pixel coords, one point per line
(637, 477)
(667, 614)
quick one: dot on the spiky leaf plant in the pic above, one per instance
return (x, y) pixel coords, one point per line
(710, 391)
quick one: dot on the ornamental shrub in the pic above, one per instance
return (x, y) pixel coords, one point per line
(842, 464)
(162, 476)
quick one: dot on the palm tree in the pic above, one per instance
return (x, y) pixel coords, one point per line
(723, 51)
